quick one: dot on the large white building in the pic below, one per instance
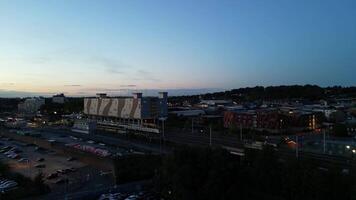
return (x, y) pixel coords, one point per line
(59, 98)
(31, 105)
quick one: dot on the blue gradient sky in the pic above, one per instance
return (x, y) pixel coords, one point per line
(81, 47)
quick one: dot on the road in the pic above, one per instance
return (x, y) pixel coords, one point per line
(94, 191)
(199, 139)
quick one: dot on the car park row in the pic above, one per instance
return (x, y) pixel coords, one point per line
(7, 185)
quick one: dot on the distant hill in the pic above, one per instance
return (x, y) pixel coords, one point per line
(307, 92)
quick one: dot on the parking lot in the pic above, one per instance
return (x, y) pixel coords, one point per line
(67, 139)
(62, 173)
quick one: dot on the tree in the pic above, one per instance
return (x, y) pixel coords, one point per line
(38, 182)
(340, 130)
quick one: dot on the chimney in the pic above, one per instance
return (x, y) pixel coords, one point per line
(101, 95)
(137, 95)
(163, 95)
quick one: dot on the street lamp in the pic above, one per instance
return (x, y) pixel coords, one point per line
(162, 136)
(347, 146)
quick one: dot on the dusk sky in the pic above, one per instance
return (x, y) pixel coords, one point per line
(84, 47)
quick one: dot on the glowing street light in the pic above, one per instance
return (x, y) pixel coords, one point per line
(353, 150)
(347, 146)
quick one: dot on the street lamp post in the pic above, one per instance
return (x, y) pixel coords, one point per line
(210, 142)
(324, 141)
(296, 147)
(192, 125)
(162, 136)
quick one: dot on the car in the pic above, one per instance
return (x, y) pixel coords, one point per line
(14, 156)
(105, 173)
(40, 166)
(40, 159)
(74, 138)
(52, 175)
(132, 197)
(17, 151)
(71, 159)
(6, 147)
(90, 142)
(3, 150)
(60, 171)
(102, 144)
(61, 180)
(23, 160)
(9, 152)
(112, 196)
(72, 169)
(68, 170)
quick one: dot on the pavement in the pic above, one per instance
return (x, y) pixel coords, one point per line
(84, 177)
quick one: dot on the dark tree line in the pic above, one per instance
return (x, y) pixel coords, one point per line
(308, 92)
(9, 104)
(203, 173)
(27, 187)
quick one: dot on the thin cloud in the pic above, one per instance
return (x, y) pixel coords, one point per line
(7, 84)
(111, 66)
(72, 85)
(145, 76)
(128, 86)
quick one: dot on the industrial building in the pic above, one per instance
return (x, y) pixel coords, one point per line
(130, 113)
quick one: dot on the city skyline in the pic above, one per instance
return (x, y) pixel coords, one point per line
(82, 47)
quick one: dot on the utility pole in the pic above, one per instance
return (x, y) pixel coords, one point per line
(163, 128)
(324, 140)
(210, 134)
(192, 125)
(296, 147)
(163, 132)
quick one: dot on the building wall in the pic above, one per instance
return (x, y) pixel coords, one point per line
(60, 100)
(127, 108)
(246, 120)
(30, 106)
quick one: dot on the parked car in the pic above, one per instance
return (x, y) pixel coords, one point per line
(61, 180)
(119, 196)
(132, 197)
(23, 160)
(40, 166)
(71, 159)
(52, 175)
(14, 156)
